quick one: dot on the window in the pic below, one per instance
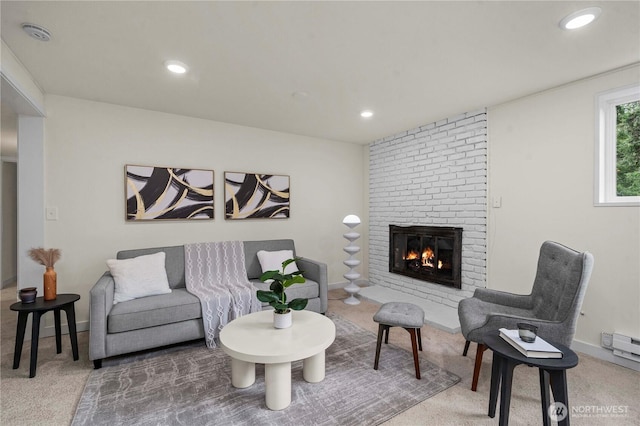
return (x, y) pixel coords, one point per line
(618, 147)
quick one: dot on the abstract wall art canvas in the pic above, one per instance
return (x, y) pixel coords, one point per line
(256, 196)
(161, 193)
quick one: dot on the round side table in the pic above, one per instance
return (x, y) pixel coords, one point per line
(553, 373)
(63, 302)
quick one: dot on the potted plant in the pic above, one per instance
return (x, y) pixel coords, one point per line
(276, 296)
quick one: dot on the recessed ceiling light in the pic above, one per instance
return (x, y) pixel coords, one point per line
(366, 114)
(36, 31)
(176, 67)
(580, 18)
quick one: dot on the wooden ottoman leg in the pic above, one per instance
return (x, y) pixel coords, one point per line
(414, 346)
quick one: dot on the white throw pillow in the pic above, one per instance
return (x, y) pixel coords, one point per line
(139, 277)
(272, 261)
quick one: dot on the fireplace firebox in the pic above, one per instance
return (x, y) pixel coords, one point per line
(428, 253)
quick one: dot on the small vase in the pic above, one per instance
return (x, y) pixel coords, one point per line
(282, 320)
(50, 283)
(28, 295)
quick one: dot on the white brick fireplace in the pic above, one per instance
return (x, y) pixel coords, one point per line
(434, 175)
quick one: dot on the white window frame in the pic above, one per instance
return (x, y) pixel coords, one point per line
(605, 156)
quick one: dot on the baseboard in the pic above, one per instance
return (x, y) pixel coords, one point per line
(361, 283)
(604, 354)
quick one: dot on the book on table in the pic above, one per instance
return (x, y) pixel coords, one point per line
(540, 348)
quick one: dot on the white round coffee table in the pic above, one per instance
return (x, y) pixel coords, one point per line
(252, 339)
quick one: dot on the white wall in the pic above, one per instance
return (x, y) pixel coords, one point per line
(31, 193)
(541, 162)
(88, 144)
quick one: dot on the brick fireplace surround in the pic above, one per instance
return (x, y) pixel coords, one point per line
(434, 175)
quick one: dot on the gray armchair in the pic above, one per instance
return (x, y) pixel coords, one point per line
(553, 305)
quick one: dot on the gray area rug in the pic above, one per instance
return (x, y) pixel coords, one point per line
(191, 385)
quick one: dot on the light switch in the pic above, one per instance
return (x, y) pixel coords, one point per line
(52, 213)
(497, 202)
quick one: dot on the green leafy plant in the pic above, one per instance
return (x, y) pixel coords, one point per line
(276, 296)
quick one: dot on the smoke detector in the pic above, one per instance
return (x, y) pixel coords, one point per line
(37, 32)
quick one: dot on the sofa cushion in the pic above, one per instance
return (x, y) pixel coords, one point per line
(139, 277)
(306, 290)
(152, 311)
(272, 261)
(174, 261)
(251, 249)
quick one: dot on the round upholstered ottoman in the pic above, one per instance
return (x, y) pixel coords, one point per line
(400, 314)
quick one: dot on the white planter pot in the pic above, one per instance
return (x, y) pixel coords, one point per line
(282, 320)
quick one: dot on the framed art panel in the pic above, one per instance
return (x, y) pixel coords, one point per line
(256, 196)
(161, 193)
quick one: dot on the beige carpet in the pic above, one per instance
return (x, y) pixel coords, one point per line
(51, 397)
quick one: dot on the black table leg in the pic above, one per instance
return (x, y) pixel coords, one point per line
(35, 334)
(378, 344)
(22, 325)
(560, 394)
(495, 384)
(71, 321)
(56, 315)
(507, 367)
(544, 396)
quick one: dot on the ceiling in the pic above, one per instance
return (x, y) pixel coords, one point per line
(411, 63)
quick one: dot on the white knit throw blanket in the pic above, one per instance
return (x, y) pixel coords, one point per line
(215, 272)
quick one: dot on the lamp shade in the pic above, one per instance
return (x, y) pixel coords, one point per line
(351, 219)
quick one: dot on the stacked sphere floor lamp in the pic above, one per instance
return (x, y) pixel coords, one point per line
(351, 221)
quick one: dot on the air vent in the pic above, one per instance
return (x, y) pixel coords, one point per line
(37, 32)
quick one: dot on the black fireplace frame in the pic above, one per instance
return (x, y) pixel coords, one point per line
(455, 280)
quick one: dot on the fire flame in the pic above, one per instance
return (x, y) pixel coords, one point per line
(426, 258)
(412, 255)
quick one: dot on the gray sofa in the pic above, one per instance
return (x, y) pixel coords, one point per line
(165, 319)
